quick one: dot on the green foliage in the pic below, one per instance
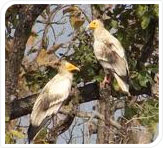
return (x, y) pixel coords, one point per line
(114, 24)
(141, 10)
(41, 137)
(84, 57)
(11, 136)
(17, 134)
(132, 24)
(156, 10)
(145, 21)
(143, 78)
(140, 79)
(130, 111)
(38, 79)
(145, 13)
(150, 110)
(133, 31)
(146, 113)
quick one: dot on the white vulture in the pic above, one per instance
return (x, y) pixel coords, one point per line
(110, 53)
(51, 98)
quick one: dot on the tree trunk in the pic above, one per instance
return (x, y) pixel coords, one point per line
(15, 52)
(104, 105)
(103, 131)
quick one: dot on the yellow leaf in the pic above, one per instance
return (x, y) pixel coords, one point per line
(17, 134)
(46, 59)
(76, 17)
(76, 22)
(8, 138)
(71, 9)
(41, 58)
(31, 39)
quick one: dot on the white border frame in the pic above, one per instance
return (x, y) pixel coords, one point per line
(2, 69)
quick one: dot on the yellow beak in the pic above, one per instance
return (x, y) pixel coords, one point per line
(70, 67)
(91, 26)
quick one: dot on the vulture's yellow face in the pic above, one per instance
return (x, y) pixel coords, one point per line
(70, 67)
(94, 24)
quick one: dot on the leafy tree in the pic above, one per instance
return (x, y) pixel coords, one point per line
(33, 47)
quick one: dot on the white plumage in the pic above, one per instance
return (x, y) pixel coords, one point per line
(51, 98)
(110, 53)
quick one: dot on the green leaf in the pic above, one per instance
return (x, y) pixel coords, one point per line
(145, 22)
(144, 78)
(120, 35)
(115, 85)
(152, 68)
(114, 23)
(135, 84)
(130, 112)
(98, 78)
(156, 10)
(7, 118)
(141, 10)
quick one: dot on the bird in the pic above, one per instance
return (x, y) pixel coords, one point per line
(51, 98)
(111, 55)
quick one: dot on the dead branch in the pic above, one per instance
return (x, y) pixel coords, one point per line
(97, 115)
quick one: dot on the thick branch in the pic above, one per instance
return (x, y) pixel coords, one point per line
(23, 106)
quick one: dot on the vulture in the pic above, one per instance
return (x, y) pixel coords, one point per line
(51, 98)
(110, 54)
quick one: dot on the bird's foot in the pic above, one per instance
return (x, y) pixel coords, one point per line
(106, 81)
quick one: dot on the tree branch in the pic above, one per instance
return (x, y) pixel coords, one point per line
(82, 114)
(23, 106)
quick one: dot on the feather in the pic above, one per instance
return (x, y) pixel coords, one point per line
(33, 130)
(110, 53)
(123, 85)
(49, 101)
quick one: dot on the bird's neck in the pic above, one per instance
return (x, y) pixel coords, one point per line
(66, 73)
(100, 33)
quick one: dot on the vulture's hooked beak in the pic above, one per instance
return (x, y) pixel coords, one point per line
(70, 67)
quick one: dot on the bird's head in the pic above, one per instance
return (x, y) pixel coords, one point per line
(95, 24)
(68, 67)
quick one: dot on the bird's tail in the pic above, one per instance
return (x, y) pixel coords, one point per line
(33, 130)
(122, 84)
(39, 119)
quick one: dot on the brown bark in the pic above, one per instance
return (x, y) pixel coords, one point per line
(103, 127)
(101, 124)
(14, 55)
(103, 131)
(23, 106)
